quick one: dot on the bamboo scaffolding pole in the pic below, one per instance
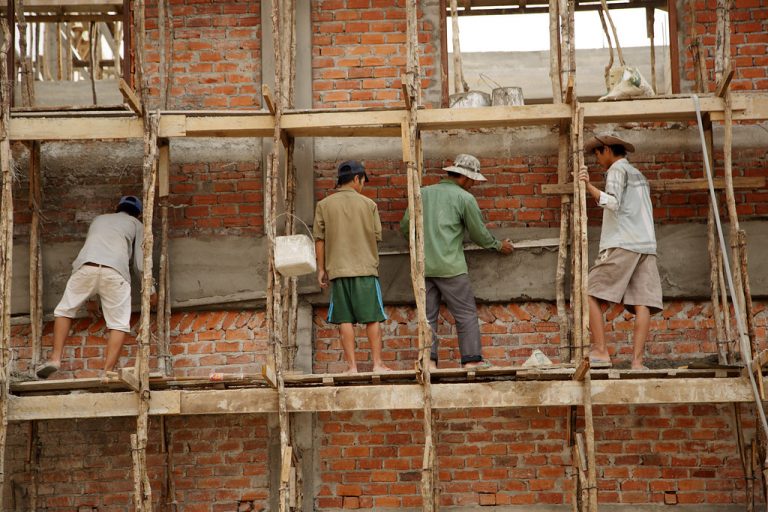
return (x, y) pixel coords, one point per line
(613, 30)
(163, 318)
(33, 464)
(554, 51)
(412, 155)
(555, 59)
(651, 32)
(27, 76)
(745, 456)
(459, 83)
(6, 244)
(581, 277)
(142, 487)
(576, 216)
(607, 72)
(92, 62)
(35, 253)
(275, 322)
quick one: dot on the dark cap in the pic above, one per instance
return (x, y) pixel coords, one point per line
(132, 201)
(351, 168)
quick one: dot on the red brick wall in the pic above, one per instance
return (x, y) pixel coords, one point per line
(201, 343)
(520, 457)
(216, 463)
(684, 330)
(749, 42)
(512, 195)
(358, 52)
(222, 198)
(215, 56)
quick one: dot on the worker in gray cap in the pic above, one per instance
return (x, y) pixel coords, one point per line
(450, 210)
(625, 271)
(102, 268)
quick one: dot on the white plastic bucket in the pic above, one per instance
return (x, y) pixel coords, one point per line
(295, 255)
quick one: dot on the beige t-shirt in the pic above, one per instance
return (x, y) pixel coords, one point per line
(350, 225)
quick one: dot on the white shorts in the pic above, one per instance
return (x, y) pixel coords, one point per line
(109, 285)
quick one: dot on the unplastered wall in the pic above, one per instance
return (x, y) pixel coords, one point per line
(749, 41)
(682, 454)
(209, 463)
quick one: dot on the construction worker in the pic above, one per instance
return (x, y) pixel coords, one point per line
(450, 210)
(346, 230)
(625, 271)
(102, 268)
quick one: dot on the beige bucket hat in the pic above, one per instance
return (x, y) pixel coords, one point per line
(466, 165)
(606, 139)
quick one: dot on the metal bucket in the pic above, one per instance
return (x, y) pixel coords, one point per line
(470, 99)
(507, 96)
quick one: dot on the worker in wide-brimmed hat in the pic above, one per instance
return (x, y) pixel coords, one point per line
(449, 210)
(625, 271)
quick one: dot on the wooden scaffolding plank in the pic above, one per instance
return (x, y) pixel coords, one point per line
(498, 394)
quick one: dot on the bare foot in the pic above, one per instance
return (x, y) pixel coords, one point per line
(381, 368)
(639, 366)
(351, 370)
(432, 365)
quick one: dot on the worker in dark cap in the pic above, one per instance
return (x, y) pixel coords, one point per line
(102, 268)
(346, 230)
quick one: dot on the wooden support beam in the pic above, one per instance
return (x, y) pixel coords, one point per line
(406, 94)
(722, 85)
(269, 102)
(128, 375)
(671, 185)
(269, 375)
(581, 370)
(163, 169)
(130, 97)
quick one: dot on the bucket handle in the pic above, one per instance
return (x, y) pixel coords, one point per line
(309, 231)
(485, 78)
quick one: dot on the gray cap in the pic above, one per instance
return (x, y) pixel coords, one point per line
(466, 165)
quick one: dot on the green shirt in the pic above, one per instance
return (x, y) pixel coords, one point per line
(350, 225)
(448, 210)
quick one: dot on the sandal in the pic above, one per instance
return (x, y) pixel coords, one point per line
(599, 363)
(45, 370)
(474, 365)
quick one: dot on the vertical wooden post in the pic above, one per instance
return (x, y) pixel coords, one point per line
(651, 32)
(142, 488)
(459, 84)
(6, 243)
(163, 318)
(413, 159)
(555, 59)
(35, 253)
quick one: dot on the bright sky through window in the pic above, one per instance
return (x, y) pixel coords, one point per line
(530, 32)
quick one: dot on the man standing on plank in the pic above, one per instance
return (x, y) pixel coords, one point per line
(449, 211)
(625, 271)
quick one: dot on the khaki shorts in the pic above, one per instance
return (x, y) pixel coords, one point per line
(109, 285)
(626, 277)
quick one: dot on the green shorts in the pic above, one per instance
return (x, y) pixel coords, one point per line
(356, 300)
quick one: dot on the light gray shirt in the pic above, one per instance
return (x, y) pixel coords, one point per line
(627, 210)
(112, 239)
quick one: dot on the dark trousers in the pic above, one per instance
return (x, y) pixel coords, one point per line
(457, 294)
